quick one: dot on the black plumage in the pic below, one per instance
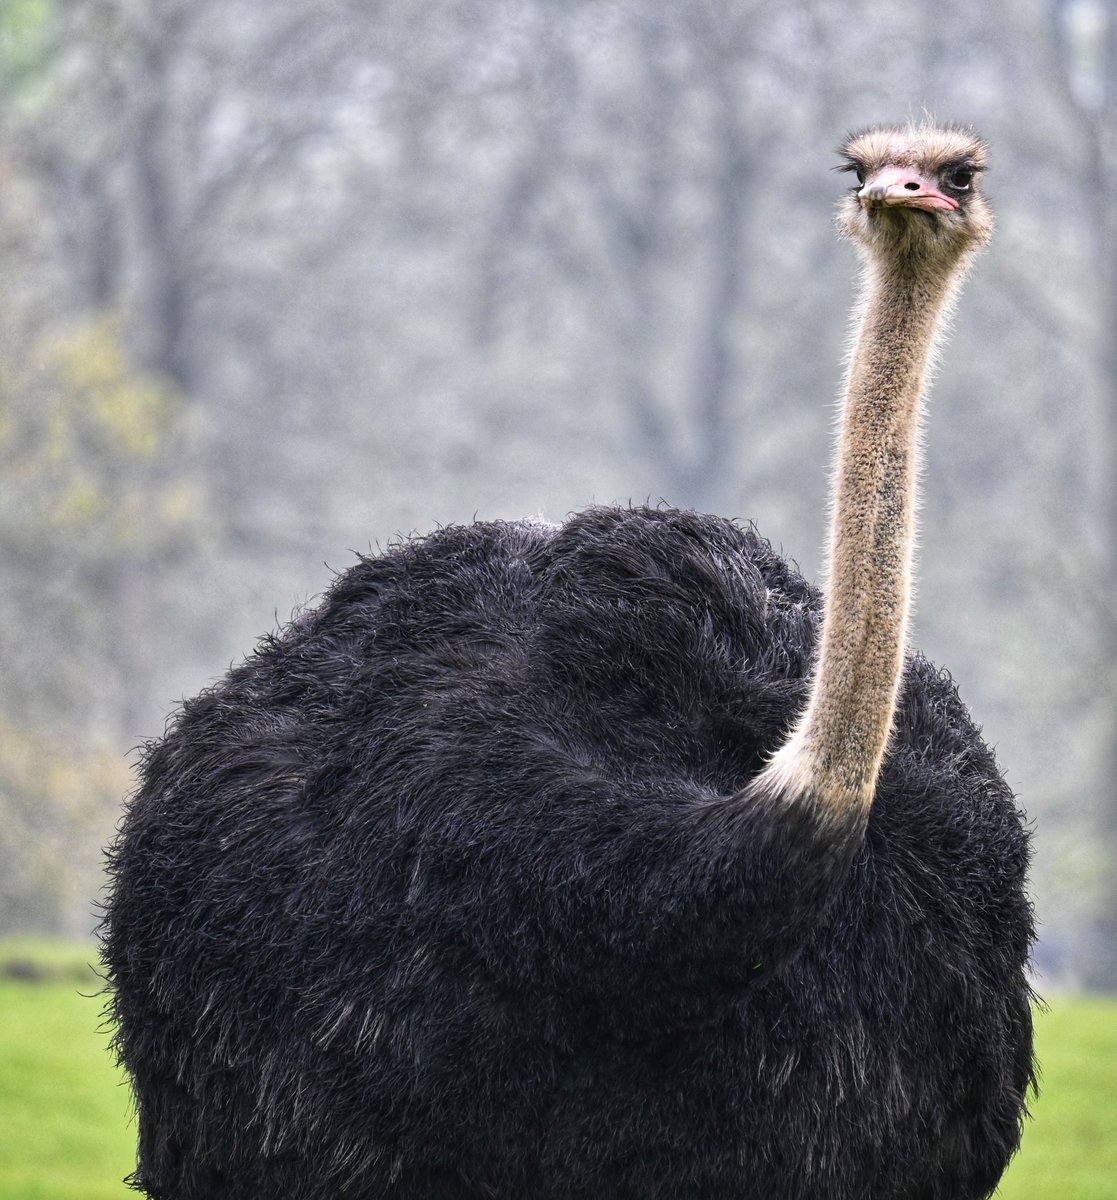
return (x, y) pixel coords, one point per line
(449, 892)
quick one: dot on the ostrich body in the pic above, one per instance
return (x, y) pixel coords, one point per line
(560, 862)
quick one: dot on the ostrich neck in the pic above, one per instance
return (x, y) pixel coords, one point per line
(835, 751)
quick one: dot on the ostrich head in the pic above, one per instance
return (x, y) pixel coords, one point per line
(918, 194)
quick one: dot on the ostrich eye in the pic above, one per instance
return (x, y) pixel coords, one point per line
(960, 178)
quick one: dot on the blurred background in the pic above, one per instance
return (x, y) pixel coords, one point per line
(283, 282)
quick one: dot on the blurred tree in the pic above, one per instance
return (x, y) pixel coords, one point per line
(54, 797)
(281, 280)
(1082, 49)
(90, 509)
(86, 513)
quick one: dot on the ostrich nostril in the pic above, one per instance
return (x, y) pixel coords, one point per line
(912, 186)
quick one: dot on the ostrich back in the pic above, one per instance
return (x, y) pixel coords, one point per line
(445, 893)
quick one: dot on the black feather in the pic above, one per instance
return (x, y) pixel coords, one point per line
(448, 892)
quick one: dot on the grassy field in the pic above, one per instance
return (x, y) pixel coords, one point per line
(65, 1113)
(1070, 1148)
(66, 1130)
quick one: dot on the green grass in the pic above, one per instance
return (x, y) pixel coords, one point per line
(66, 1129)
(1070, 1148)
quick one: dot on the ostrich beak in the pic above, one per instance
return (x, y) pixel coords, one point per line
(902, 186)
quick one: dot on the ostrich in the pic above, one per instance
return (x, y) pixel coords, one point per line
(558, 862)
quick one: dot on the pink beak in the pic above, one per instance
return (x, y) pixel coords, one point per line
(900, 185)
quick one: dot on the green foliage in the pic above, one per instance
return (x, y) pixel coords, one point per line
(54, 799)
(94, 499)
(69, 1132)
(24, 35)
(89, 441)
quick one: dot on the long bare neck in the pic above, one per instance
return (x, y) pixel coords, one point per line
(834, 753)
